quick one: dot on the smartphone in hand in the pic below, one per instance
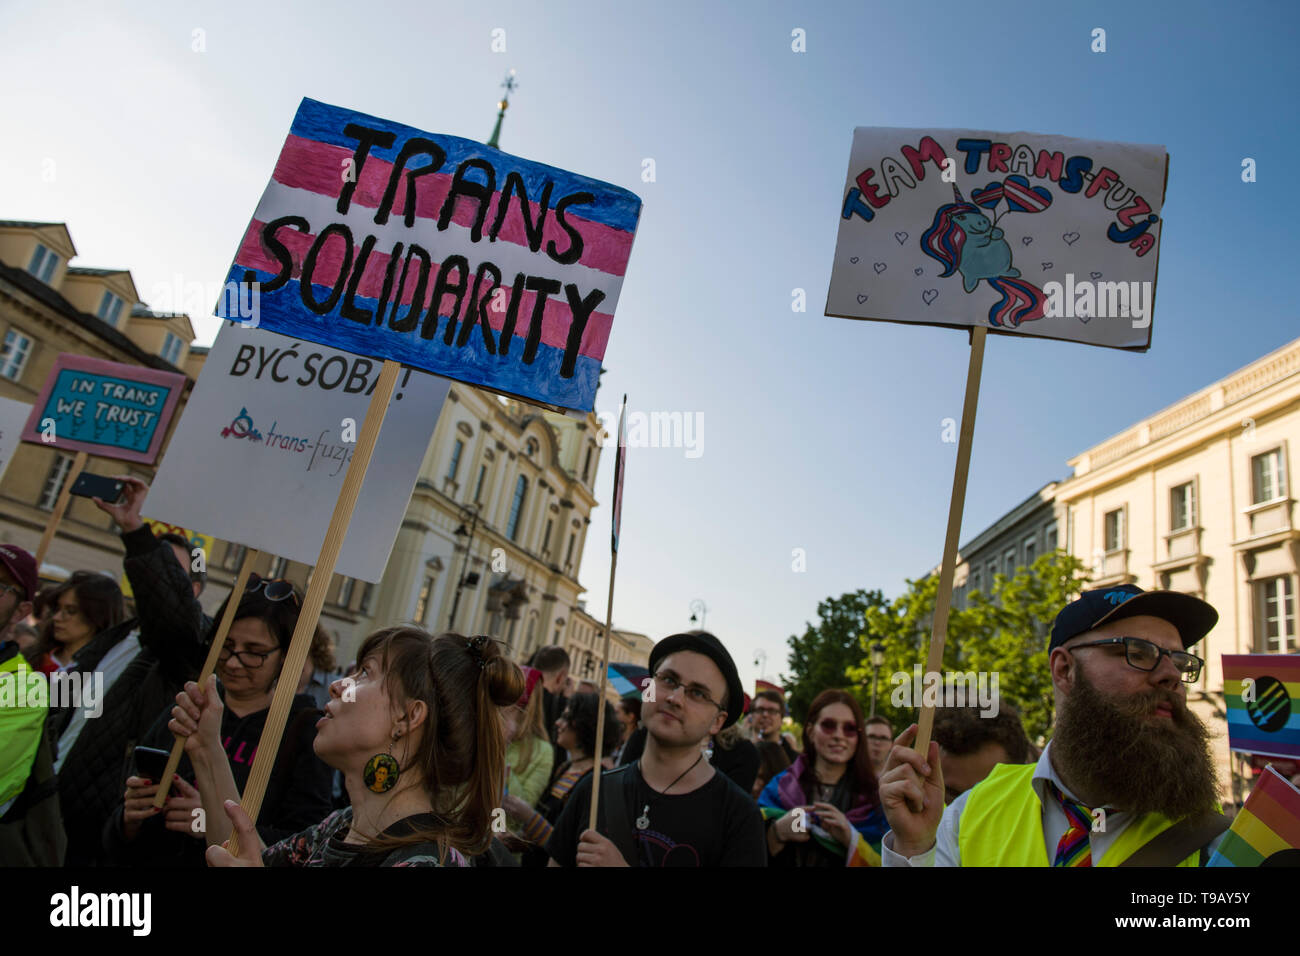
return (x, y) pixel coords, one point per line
(108, 490)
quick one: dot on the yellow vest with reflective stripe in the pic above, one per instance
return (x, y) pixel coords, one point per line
(1002, 825)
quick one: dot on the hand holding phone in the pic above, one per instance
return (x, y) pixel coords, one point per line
(106, 489)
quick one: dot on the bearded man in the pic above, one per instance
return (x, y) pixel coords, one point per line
(1128, 777)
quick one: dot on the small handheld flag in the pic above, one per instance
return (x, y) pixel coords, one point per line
(1268, 825)
(1262, 693)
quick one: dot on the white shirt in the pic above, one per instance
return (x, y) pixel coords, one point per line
(946, 852)
(111, 665)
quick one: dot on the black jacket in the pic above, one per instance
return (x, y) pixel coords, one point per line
(173, 635)
(297, 793)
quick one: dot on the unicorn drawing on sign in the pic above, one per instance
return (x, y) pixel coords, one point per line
(965, 240)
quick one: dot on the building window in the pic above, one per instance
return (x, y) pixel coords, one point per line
(422, 601)
(1031, 549)
(1182, 507)
(454, 467)
(366, 594)
(528, 637)
(278, 566)
(171, 350)
(1050, 536)
(1267, 482)
(568, 557)
(516, 508)
(1277, 604)
(546, 541)
(43, 264)
(1114, 530)
(974, 583)
(345, 592)
(586, 466)
(110, 308)
(14, 357)
(530, 447)
(54, 482)
(1009, 562)
(234, 557)
(478, 483)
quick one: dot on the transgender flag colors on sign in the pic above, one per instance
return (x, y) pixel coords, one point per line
(440, 253)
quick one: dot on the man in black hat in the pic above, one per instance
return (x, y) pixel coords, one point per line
(671, 807)
(1127, 778)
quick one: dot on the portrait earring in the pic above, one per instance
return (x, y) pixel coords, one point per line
(381, 771)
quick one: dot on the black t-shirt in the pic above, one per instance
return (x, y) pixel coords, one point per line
(717, 824)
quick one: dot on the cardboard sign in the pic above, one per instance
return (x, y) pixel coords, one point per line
(1262, 695)
(437, 252)
(260, 454)
(1022, 233)
(13, 416)
(104, 408)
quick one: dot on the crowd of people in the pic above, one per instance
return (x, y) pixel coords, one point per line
(440, 750)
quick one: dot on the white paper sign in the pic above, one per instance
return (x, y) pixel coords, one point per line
(260, 452)
(13, 415)
(1023, 233)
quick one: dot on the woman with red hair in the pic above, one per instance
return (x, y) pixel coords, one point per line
(824, 809)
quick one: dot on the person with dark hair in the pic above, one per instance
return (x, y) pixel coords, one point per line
(553, 661)
(772, 760)
(671, 807)
(769, 712)
(145, 660)
(419, 717)
(86, 604)
(823, 810)
(184, 552)
(249, 668)
(880, 740)
(576, 733)
(971, 745)
(315, 678)
(628, 710)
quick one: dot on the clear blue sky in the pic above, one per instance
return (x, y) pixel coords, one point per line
(819, 433)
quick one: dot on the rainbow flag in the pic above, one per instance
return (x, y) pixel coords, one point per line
(1262, 692)
(438, 252)
(1267, 825)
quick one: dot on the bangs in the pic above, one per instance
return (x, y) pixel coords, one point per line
(395, 648)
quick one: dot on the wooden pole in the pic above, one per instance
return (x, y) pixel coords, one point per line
(939, 630)
(604, 682)
(60, 506)
(260, 773)
(210, 665)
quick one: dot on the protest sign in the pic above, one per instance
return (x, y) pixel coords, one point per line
(1260, 693)
(260, 454)
(104, 408)
(437, 252)
(1021, 233)
(13, 416)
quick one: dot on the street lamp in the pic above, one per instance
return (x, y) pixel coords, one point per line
(877, 661)
(698, 610)
(461, 532)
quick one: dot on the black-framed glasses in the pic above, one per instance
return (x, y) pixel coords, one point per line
(18, 592)
(694, 692)
(273, 589)
(1145, 656)
(250, 659)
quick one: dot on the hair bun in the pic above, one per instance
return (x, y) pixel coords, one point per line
(505, 681)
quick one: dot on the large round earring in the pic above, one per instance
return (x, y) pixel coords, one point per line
(381, 772)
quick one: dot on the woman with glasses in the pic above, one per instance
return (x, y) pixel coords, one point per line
(298, 793)
(576, 733)
(824, 809)
(416, 730)
(86, 604)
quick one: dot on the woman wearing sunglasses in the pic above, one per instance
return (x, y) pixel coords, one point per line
(298, 793)
(416, 730)
(824, 810)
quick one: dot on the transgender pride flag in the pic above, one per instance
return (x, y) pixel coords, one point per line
(440, 253)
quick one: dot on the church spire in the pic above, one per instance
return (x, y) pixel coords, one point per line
(509, 85)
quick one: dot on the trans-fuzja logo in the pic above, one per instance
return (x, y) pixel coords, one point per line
(322, 449)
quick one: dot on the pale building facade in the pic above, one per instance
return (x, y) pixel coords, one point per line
(1014, 541)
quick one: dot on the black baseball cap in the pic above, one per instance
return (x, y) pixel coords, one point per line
(702, 642)
(1193, 617)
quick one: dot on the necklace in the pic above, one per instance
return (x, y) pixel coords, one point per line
(643, 821)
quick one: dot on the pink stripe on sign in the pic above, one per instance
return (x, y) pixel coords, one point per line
(319, 167)
(556, 315)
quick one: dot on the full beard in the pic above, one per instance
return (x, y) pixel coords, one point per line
(1115, 752)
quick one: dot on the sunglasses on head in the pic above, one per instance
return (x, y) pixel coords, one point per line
(273, 589)
(848, 727)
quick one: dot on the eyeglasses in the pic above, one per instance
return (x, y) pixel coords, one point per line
(880, 738)
(848, 727)
(1145, 656)
(70, 610)
(10, 587)
(694, 692)
(250, 659)
(274, 589)
(767, 711)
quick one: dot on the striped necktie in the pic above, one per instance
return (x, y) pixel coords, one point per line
(1073, 848)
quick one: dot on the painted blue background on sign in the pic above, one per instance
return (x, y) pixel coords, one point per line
(94, 416)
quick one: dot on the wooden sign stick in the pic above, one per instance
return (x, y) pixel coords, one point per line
(309, 613)
(939, 630)
(210, 665)
(604, 682)
(60, 506)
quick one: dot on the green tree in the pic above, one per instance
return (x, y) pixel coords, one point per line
(823, 656)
